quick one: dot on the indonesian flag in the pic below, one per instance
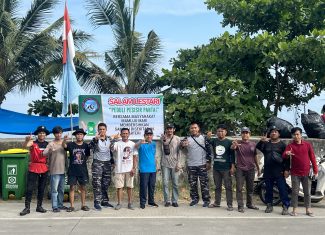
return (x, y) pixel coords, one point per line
(70, 86)
(68, 39)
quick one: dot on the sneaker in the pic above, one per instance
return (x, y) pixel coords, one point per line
(284, 211)
(130, 206)
(206, 204)
(193, 203)
(142, 206)
(118, 206)
(97, 207)
(167, 204)
(153, 204)
(55, 210)
(106, 204)
(230, 208)
(174, 204)
(241, 209)
(269, 208)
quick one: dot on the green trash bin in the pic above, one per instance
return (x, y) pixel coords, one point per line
(14, 167)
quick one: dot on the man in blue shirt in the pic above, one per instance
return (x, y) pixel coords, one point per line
(147, 168)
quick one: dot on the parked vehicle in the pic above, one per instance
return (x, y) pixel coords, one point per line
(317, 186)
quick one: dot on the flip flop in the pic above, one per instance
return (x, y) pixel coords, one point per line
(311, 214)
(213, 205)
(293, 213)
(85, 208)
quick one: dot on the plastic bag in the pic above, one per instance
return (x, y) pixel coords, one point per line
(283, 125)
(313, 125)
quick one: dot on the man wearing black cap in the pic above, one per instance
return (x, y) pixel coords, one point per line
(148, 168)
(170, 164)
(274, 168)
(37, 170)
(79, 152)
(246, 162)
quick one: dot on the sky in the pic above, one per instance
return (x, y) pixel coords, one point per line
(180, 24)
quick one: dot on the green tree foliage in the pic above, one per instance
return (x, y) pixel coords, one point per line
(276, 59)
(131, 62)
(279, 42)
(196, 93)
(25, 44)
(30, 48)
(48, 105)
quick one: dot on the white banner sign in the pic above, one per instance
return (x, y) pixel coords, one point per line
(134, 111)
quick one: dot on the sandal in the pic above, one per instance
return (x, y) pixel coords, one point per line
(293, 213)
(213, 205)
(70, 209)
(85, 208)
(311, 214)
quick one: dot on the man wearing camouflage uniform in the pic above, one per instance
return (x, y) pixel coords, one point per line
(101, 167)
(198, 151)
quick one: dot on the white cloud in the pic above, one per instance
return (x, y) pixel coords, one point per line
(173, 7)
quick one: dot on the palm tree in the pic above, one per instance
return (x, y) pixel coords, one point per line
(131, 62)
(30, 53)
(25, 45)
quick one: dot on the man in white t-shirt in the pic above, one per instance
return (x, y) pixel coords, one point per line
(125, 156)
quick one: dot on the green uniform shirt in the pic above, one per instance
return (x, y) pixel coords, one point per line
(223, 155)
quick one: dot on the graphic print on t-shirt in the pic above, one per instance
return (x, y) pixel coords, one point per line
(77, 156)
(220, 150)
(126, 153)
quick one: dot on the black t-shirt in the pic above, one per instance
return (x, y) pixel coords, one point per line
(78, 155)
(41, 145)
(271, 167)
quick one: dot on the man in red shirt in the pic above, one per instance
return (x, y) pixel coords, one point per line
(302, 154)
(37, 170)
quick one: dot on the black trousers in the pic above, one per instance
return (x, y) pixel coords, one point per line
(32, 180)
(147, 186)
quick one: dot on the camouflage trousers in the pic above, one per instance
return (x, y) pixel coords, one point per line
(102, 176)
(200, 173)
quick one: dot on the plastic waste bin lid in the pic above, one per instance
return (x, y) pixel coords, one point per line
(14, 151)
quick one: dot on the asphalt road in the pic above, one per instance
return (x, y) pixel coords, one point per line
(182, 220)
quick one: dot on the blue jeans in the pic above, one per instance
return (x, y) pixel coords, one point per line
(283, 192)
(168, 173)
(57, 190)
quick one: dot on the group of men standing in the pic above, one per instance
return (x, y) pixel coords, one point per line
(228, 158)
(239, 158)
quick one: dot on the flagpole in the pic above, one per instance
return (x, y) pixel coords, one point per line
(71, 121)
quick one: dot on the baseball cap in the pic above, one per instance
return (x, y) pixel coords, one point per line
(245, 129)
(170, 125)
(148, 131)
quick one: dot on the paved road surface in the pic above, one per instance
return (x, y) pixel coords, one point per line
(182, 220)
